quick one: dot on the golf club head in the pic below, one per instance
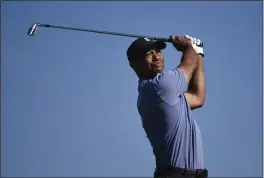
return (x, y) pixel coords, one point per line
(32, 30)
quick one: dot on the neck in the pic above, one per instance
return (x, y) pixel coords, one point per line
(147, 76)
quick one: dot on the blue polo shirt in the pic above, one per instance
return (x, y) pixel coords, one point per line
(168, 122)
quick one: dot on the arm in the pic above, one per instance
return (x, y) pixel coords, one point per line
(188, 63)
(173, 83)
(196, 90)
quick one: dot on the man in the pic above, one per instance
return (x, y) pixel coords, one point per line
(165, 102)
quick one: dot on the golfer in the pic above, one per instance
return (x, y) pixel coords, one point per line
(165, 103)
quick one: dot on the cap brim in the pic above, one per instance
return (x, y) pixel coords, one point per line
(156, 45)
(160, 44)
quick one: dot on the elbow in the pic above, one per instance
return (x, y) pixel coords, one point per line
(200, 103)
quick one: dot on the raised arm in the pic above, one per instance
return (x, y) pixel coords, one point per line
(189, 58)
(195, 94)
(196, 90)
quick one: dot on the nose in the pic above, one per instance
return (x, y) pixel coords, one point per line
(156, 56)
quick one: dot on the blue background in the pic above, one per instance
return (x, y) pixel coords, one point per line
(69, 98)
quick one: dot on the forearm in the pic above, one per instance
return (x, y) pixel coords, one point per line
(188, 63)
(197, 83)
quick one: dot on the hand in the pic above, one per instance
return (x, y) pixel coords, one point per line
(196, 44)
(180, 43)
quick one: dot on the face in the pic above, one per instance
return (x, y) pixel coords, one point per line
(150, 63)
(155, 60)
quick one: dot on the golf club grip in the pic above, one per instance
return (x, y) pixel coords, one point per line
(164, 39)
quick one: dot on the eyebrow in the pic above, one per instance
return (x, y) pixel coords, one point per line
(156, 49)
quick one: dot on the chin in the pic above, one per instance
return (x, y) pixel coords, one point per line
(159, 70)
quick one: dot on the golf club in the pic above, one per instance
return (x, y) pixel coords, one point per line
(32, 31)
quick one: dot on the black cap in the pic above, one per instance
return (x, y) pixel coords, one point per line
(143, 45)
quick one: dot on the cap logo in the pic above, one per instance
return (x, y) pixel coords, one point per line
(146, 39)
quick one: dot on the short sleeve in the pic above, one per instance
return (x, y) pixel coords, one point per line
(171, 84)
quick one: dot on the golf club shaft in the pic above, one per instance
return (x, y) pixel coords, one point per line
(102, 32)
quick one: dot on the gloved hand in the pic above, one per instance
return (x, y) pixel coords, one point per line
(196, 44)
(180, 43)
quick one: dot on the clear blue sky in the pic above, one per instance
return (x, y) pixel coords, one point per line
(69, 98)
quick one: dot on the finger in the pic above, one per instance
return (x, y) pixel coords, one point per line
(194, 41)
(198, 42)
(172, 37)
(189, 37)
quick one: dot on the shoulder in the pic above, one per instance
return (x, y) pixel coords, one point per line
(170, 85)
(168, 77)
(172, 79)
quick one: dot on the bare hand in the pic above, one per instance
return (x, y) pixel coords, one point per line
(180, 43)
